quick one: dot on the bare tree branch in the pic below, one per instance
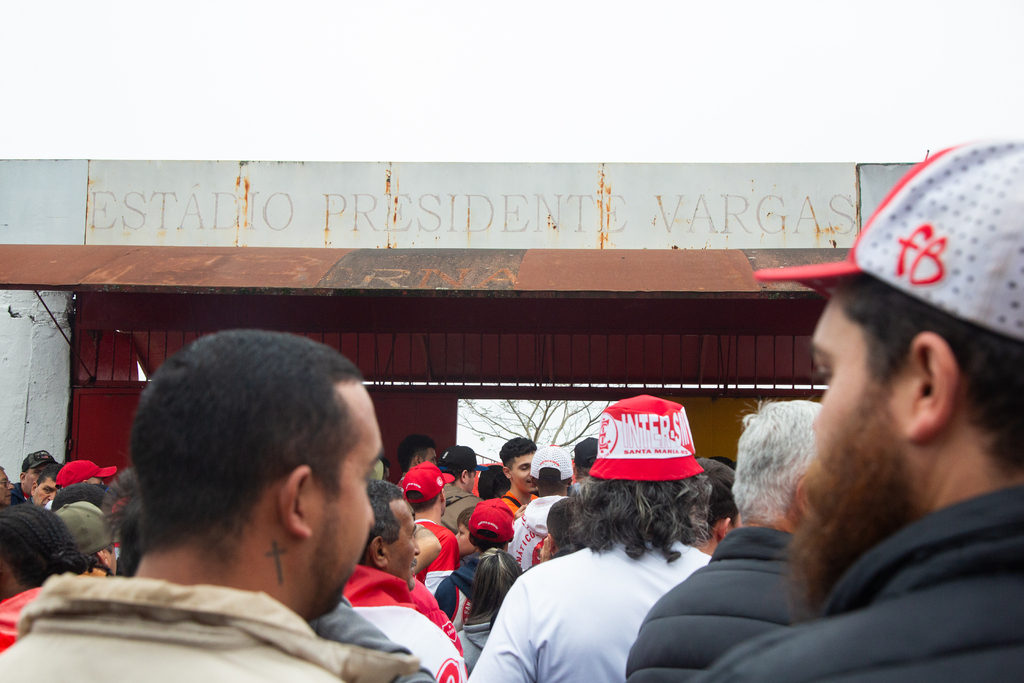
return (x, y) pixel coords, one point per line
(542, 421)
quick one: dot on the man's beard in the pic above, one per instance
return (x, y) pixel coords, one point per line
(858, 494)
(330, 585)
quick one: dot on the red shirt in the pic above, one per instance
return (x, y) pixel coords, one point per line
(10, 610)
(447, 561)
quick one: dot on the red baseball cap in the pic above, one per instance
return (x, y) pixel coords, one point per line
(77, 471)
(492, 520)
(424, 481)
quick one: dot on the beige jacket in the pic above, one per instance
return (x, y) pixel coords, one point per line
(99, 631)
(456, 500)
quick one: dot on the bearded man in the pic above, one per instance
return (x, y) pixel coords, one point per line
(912, 546)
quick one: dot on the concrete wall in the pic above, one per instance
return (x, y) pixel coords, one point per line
(35, 373)
(874, 182)
(41, 202)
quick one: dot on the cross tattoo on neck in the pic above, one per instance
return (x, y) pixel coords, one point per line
(276, 553)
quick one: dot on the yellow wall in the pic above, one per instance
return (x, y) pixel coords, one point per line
(716, 423)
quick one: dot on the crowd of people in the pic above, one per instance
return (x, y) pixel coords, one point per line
(875, 536)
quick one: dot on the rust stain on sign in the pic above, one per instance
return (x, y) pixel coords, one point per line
(245, 204)
(53, 266)
(216, 267)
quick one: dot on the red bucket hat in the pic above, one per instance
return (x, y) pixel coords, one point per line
(645, 438)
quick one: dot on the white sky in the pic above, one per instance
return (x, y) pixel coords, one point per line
(523, 81)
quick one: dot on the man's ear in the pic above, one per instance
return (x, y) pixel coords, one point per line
(508, 472)
(721, 528)
(295, 502)
(927, 389)
(377, 555)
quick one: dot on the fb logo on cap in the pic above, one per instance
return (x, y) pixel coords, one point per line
(926, 268)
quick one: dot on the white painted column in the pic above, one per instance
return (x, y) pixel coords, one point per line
(35, 372)
(41, 202)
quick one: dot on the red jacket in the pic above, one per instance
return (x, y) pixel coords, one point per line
(10, 611)
(370, 587)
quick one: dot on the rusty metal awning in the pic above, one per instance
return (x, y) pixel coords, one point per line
(460, 272)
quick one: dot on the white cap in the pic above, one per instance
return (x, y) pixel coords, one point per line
(552, 456)
(951, 234)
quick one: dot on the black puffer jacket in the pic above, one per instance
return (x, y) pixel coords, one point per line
(739, 595)
(940, 600)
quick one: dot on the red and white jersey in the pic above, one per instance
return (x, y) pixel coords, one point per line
(409, 628)
(446, 562)
(530, 530)
(461, 610)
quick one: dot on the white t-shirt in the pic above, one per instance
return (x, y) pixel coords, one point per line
(409, 628)
(575, 618)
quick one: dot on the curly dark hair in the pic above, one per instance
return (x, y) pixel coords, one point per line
(385, 524)
(515, 448)
(641, 516)
(36, 544)
(90, 493)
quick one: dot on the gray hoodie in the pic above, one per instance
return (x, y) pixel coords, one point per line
(473, 637)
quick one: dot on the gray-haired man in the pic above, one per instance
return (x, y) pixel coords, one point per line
(741, 593)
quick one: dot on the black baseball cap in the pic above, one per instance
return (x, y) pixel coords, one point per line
(585, 452)
(459, 459)
(36, 459)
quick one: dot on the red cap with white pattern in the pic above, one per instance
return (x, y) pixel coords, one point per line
(645, 438)
(950, 233)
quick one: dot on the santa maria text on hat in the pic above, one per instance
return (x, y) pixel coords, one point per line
(645, 438)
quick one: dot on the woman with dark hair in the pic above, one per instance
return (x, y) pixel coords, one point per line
(492, 482)
(34, 545)
(495, 574)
